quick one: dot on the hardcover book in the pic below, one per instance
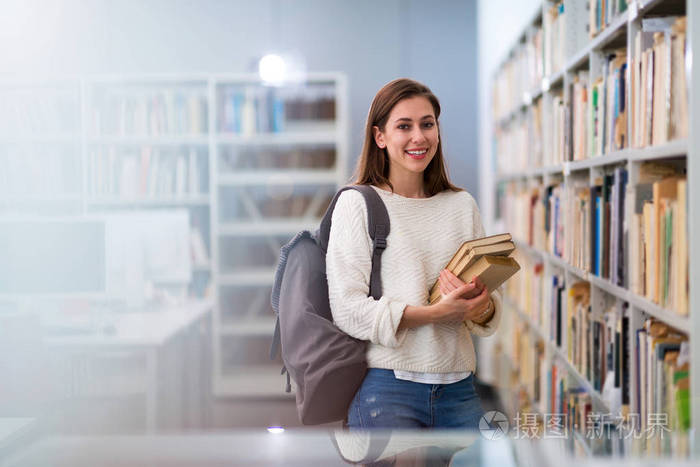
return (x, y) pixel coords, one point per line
(486, 258)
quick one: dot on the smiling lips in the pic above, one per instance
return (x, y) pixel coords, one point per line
(416, 153)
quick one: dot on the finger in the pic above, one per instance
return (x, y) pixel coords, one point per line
(450, 279)
(459, 291)
(478, 305)
(444, 283)
(469, 290)
(453, 278)
(479, 299)
(479, 283)
(446, 287)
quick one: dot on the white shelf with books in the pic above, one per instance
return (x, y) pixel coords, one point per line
(147, 146)
(40, 146)
(667, 315)
(253, 164)
(581, 380)
(673, 149)
(607, 217)
(279, 155)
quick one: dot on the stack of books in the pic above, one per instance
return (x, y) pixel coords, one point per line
(486, 258)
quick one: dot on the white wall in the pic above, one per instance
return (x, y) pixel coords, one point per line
(371, 41)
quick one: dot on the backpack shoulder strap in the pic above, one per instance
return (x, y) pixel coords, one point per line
(378, 227)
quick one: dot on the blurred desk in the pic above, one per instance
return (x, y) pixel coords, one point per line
(177, 355)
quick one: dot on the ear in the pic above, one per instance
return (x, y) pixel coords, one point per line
(378, 137)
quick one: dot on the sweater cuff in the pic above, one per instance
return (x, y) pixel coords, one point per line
(489, 327)
(387, 324)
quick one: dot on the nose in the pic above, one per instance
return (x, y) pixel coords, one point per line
(417, 135)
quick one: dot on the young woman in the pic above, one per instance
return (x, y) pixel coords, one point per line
(421, 357)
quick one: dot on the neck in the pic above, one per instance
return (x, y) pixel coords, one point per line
(408, 187)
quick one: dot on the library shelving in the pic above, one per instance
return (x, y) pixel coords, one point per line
(591, 113)
(252, 163)
(278, 156)
(40, 147)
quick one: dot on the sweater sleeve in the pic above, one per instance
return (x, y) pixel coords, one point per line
(489, 327)
(348, 268)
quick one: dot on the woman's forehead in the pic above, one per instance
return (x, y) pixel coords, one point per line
(412, 108)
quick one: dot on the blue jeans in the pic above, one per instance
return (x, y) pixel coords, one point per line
(386, 402)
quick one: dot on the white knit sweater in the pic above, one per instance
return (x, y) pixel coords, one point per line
(424, 234)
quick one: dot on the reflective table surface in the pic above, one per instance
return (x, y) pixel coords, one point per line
(305, 447)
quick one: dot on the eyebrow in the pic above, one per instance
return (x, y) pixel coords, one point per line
(406, 119)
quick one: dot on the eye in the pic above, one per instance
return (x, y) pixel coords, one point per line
(403, 126)
(428, 124)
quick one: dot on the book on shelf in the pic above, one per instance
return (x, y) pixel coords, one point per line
(579, 103)
(479, 257)
(578, 304)
(658, 260)
(520, 75)
(528, 286)
(608, 109)
(555, 147)
(662, 374)
(147, 172)
(554, 219)
(249, 109)
(519, 142)
(659, 93)
(24, 175)
(578, 208)
(559, 301)
(602, 12)
(554, 33)
(156, 112)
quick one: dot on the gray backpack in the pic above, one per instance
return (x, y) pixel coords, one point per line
(326, 364)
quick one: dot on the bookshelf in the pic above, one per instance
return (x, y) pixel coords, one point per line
(278, 156)
(253, 164)
(600, 127)
(40, 147)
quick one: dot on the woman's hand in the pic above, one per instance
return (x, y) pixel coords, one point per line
(461, 301)
(449, 282)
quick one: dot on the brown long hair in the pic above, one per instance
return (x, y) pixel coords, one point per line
(373, 165)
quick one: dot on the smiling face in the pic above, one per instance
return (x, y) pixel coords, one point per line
(410, 137)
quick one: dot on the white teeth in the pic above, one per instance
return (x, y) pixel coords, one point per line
(416, 153)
